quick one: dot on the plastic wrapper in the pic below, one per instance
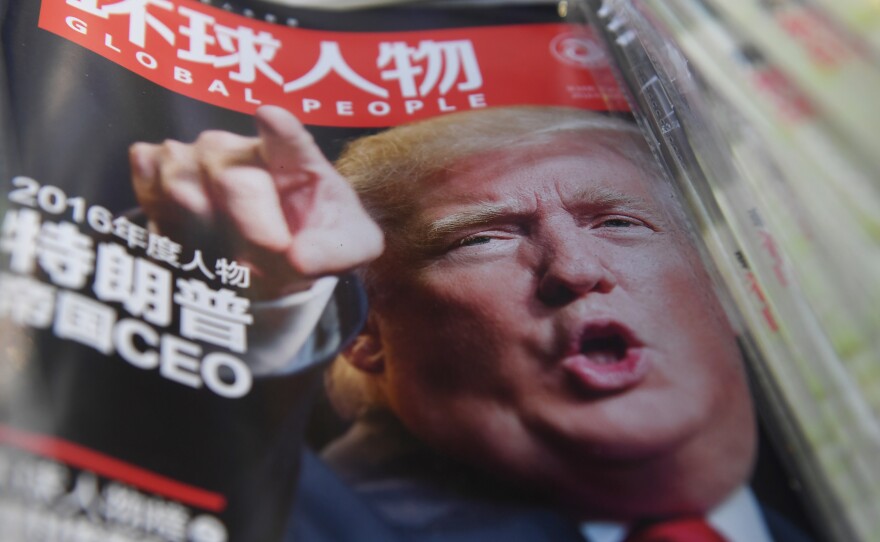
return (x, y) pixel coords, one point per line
(764, 168)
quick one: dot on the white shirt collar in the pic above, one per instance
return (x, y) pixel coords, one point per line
(738, 519)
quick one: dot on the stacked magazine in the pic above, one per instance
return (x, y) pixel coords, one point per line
(765, 114)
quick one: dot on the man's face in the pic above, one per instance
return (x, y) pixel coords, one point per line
(549, 321)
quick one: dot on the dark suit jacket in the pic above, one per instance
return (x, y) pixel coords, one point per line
(386, 486)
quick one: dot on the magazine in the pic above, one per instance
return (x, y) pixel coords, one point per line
(277, 273)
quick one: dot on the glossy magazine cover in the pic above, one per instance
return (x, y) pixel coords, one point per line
(399, 273)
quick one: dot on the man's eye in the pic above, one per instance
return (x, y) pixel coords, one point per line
(617, 223)
(472, 240)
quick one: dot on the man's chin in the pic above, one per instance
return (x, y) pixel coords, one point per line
(620, 439)
(641, 478)
(662, 493)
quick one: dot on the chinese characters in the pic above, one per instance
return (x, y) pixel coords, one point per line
(240, 62)
(103, 296)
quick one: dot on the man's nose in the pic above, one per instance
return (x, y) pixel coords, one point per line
(572, 270)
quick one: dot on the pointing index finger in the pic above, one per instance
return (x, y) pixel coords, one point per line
(290, 152)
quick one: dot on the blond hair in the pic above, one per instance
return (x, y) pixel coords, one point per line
(386, 169)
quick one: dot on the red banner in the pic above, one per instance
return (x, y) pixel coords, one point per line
(339, 78)
(84, 458)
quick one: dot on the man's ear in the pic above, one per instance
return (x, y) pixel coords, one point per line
(367, 352)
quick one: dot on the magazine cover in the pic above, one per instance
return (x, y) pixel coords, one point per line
(395, 273)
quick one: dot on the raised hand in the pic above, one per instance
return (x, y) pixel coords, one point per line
(271, 202)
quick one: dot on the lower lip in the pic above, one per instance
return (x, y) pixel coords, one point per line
(608, 377)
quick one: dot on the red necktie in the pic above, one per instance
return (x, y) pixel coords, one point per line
(676, 530)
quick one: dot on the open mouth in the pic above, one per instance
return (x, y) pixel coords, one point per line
(604, 348)
(606, 356)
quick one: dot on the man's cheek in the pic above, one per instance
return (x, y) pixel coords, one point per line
(681, 277)
(460, 293)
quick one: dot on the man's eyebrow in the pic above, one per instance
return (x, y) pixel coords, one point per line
(482, 213)
(478, 214)
(595, 197)
(435, 232)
